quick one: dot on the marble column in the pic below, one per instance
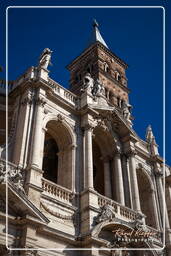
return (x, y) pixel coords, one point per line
(134, 182)
(162, 202)
(119, 179)
(38, 134)
(88, 157)
(23, 130)
(107, 177)
(154, 206)
(126, 181)
(73, 165)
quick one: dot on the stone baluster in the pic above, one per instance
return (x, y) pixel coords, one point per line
(119, 178)
(88, 156)
(107, 177)
(134, 182)
(36, 156)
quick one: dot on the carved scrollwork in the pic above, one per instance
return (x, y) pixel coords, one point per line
(12, 174)
(60, 117)
(40, 101)
(28, 100)
(106, 213)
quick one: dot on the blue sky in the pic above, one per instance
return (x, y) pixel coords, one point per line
(134, 34)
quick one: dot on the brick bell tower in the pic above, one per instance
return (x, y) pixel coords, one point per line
(102, 64)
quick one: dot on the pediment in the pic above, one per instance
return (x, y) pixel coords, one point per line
(20, 205)
(118, 122)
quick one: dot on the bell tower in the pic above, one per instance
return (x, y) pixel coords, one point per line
(98, 60)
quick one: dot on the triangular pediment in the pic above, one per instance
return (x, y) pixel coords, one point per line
(118, 122)
(20, 205)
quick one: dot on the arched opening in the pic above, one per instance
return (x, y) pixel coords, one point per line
(103, 148)
(106, 68)
(146, 198)
(58, 154)
(50, 159)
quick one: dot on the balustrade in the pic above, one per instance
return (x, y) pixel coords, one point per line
(56, 191)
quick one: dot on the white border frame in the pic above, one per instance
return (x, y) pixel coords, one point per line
(164, 119)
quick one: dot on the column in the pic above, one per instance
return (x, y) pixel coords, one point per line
(163, 207)
(38, 133)
(88, 157)
(154, 206)
(126, 181)
(134, 182)
(22, 131)
(162, 202)
(107, 178)
(119, 179)
(73, 151)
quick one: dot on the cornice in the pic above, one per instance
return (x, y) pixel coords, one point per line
(95, 45)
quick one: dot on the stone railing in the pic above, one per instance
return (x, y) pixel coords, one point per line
(63, 92)
(56, 191)
(122, 211)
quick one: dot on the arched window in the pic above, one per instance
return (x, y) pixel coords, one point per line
(117, 75)
(106, 67)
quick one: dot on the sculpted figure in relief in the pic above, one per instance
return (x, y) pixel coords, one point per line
(44, 59)
(106, 213)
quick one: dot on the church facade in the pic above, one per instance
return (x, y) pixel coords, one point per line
(78, 179)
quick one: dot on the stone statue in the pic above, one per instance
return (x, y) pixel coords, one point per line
(13, 174)
(44, 59)
(98, 89)
(88, 83)
(106, 213)
(127, 111)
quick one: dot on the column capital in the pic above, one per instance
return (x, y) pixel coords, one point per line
(117, 152)
(131, 152)
(41, 101)
(28, 100)
(88, 126)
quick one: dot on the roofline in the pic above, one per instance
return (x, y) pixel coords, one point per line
(117, 59)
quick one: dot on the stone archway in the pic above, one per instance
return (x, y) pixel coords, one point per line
(103, 150)
(147, 198)
(59, 154)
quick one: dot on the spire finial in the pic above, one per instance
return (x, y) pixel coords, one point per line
(96, 36)
(95, 24)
